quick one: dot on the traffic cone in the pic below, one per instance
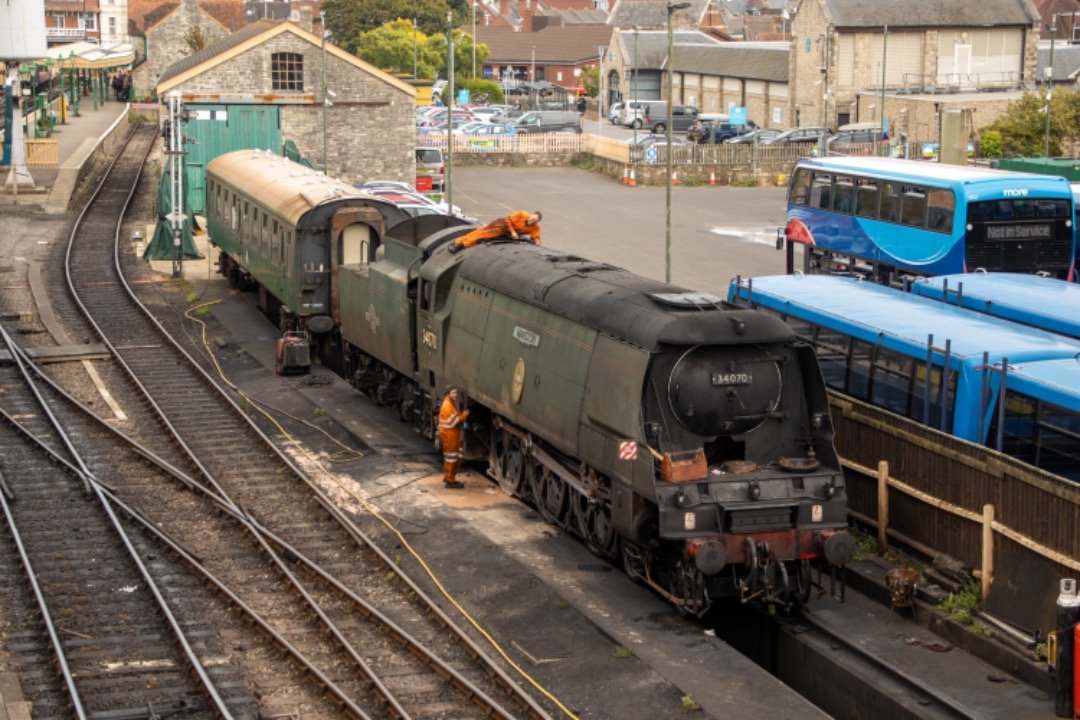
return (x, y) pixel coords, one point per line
(625, 174)
(674, 177)
(712, 177)
(633, 182)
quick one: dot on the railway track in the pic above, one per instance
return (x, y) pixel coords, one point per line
(364, 639)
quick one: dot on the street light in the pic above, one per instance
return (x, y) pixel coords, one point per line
(671, 8)
(448, 180)
(474, 41)
(414, 49)
(634, 115)
(884, 47)
(326, 101)
(1050, 82)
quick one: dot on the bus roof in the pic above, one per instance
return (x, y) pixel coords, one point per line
(918, 171)
(1056, 381)
(1041, 302)
(903, 322)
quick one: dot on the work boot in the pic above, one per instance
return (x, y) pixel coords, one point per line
(455, 247)
(453, 485)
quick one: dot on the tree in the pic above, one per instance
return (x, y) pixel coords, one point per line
(390, 47)
(1023, 125)
(463, 45)
(590, 80)
(347, 19)
(479, 88)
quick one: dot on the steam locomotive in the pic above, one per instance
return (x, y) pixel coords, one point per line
(687, 439)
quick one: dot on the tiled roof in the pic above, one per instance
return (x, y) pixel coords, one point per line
(1066, 62)
(653, 13)
(565, 45)
(214, 49)
(752, 61)
(652, 45)
(577, 17)
(928, 13)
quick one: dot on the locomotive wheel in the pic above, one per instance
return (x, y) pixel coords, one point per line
(548, 491)
(802, 582)
(601, 539)
(508, 463)
(579, 514)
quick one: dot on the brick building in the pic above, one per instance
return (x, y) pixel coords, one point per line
(753, 75)
(555, 54)
(973, 56)
(263, 85)
(68, 21)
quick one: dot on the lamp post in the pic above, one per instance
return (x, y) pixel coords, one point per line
(634, 115)
(474, 41)
(884, 47)
(414, 48)
(1050, 82)
(600, 93)
(447, 181)
(326, 101)
(671, 8)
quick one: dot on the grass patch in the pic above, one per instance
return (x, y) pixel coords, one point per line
(621, 652)
(319, 412)
(744, 182)
(960, 604)
(690, 704)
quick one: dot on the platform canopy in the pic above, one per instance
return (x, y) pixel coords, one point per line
(88, 55)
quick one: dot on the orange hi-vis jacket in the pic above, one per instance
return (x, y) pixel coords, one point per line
(450, 432)
(501, 228)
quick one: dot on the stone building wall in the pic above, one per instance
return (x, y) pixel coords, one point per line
(166, 43)
(370, 128)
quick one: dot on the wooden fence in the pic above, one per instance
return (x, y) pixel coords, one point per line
(938, 493)
(43, 153)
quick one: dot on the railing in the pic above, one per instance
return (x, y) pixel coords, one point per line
(65, 33)
(526, 143)
(43, 153)
(961, 82)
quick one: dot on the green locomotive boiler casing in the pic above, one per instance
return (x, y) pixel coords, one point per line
(287, 229)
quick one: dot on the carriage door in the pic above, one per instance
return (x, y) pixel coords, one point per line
(356, 244)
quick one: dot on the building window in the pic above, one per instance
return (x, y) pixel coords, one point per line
(89, 21)
(287, 71)
(59, 20)
(112, 26)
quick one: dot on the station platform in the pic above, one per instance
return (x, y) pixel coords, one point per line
(76, 141)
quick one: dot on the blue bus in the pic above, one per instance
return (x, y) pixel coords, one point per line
(992, 382)
(884, 219)
(1041, 302)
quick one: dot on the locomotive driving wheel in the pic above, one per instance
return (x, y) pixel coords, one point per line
(549, 492)
(601, 537)
(507, 461)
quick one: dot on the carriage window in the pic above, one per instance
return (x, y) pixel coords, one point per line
(832, 351)
(890, 202)
(800, 187)
(821, 192)
(858, 383)
(425, 295)
(913, 207)
(941, 205)
(842, 190)
(866, 198)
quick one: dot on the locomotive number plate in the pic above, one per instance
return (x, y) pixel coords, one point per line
(526, 337)
(732, 379)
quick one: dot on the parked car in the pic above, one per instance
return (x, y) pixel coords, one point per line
(799, 135)
(484, 112)
(761, 135)
(429, 163)
(508, 116)
(859, 142)
(613, 113)
(545, 121)
(682, 117)
(491, 130)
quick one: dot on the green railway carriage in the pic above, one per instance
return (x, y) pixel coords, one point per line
(286, 229)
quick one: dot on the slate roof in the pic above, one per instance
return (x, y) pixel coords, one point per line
(652, 13)
(562, 45)
(1066, 62)
(652, 45)
(214, 49)
(752, 61)
(576, 17)
(928, 13)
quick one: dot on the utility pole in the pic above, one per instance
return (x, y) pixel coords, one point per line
(176, 184)
(325, 100)
(884, 47)
(474, 41)
(448, 187)
(671, 8)
(1050, 82)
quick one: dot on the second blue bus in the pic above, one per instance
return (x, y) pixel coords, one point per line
(884, 219)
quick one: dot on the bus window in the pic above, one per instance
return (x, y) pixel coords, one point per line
(842, 191)
(890, 203)
(800, 187)
(821, 192)
(858, 384)
(913, 207)
(891, 381)
(832, 352)
(941, 205)
(866, 198)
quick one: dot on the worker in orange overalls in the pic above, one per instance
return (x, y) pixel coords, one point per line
(450, 437)
(513, 226)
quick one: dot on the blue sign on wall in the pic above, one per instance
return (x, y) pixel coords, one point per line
(738, 116)
(463, 97)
